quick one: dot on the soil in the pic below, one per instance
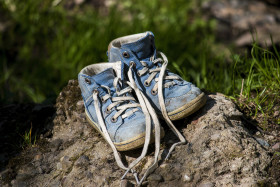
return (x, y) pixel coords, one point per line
(223, 149)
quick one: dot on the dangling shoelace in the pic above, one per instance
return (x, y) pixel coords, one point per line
(148, 111)
(159, 88)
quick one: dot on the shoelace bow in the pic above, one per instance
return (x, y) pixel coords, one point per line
(147, 110)
(159, 88)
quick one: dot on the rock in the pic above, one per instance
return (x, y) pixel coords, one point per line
(55, 144)
(237, 21)
(186, 178)
(221, 151)
(126, 183)
(208, 184)
(78, 2)
(155, 177)
(89, 175)
(80, 105)
(65, 163)
(170, 177)
(83, 161)
(276, 113)
(68, 121)
(262, 142)
(276, 146)
(38, 157)
(59, 166)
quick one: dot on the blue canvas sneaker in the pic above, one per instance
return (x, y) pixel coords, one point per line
(123, 115)
(111, 108)
(168, 93)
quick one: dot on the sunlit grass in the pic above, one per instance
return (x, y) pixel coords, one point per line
(45, 45)
(260, 74)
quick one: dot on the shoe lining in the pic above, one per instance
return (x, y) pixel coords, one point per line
(95, 69)
(127, 39)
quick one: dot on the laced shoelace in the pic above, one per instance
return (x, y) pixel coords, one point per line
(155, 71)
(159, 88)
(120, 102)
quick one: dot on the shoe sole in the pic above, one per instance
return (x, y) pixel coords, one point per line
(188, 108)
(130, 144)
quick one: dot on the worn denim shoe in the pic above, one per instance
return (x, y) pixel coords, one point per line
(167, 92)
(121, 113)
(111, 109)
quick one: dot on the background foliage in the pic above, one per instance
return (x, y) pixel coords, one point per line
(44, 45)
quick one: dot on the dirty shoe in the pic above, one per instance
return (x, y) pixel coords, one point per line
(110, 108)
(122, 114)
(167, 92)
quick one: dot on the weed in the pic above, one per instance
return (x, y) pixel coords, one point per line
(28, 140)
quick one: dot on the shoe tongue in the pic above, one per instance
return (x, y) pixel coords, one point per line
(105, 78)
(142, 48)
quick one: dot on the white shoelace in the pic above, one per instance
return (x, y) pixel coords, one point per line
(155, 71)
(159, 88)
(147, 110)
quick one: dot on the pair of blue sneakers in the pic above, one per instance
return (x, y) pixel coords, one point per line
(124, 97)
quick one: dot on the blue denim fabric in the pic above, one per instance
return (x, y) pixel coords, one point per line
(122, 129)
(143, 50)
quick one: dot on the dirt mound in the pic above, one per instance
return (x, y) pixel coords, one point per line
(221, 151)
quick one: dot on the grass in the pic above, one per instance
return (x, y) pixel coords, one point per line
(259, 96)
(43, 46)
(27, 139)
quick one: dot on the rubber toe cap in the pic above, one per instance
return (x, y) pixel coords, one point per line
(174, 103)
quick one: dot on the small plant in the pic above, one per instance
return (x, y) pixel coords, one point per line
(28, 141)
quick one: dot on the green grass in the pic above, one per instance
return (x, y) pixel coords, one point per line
(259, 94)
(44, 46)
(27, 139)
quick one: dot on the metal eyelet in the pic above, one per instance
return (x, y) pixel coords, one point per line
(125, 54)
(114, 120)
(108, 111)
(102, 100)
(87, 81)
(154, 92)
(146, 83)
(132, 63)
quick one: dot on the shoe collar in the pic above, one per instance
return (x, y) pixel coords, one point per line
(95, 75)
(142, 46)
